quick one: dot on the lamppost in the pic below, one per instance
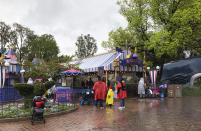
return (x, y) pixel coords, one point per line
(4, 65)
(153, 74)
(115, 64)
(22, 72)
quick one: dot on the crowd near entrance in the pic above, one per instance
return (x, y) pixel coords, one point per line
(112, 69)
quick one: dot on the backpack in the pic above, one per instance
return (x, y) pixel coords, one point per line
(123, 87)
(118, 90)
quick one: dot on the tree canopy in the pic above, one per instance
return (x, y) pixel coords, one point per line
(163, 28)
(43, 47)
(86, 46)
(26, 43)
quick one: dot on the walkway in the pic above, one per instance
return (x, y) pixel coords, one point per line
(182, 114)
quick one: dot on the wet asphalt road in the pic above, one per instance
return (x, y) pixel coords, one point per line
(181, 114)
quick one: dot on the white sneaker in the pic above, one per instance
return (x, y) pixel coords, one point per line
(120, 108)
(101, 107)
(123, 107)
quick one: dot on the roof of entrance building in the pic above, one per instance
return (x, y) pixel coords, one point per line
(91, 64)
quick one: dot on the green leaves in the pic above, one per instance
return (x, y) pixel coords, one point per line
(27, 44)
(164, 28)
(38, 89)
(43, 47)
(24, 89)
(4, 34)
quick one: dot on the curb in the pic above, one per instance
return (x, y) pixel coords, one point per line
(45, 116)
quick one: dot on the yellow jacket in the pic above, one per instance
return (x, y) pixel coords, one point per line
(110, 97)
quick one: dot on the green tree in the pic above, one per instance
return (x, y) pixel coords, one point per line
(86, 46)
(65, 58)
(164, 28)
(119, 38)
(180, 27)
(43, 47)
(54, 69)
(19, 36)
(36, 70)
(45, 70)
(4, 35)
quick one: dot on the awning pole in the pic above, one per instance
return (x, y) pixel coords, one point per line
(144, 69)
(106, 78)
(115, 73)
(115, 80)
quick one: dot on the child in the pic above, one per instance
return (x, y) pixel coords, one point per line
(110, 96)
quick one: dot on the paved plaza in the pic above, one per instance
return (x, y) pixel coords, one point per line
(181, 114)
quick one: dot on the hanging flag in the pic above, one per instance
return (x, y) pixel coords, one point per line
(119, 49)
(153, 76)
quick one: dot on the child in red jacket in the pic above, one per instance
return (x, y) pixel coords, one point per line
(122, 93)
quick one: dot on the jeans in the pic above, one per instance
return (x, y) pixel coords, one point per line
(101, 102)
(122, 102)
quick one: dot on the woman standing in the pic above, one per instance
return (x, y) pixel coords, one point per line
(121, 93)
(141, 91)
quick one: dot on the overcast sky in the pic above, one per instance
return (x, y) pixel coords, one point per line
(65, 19)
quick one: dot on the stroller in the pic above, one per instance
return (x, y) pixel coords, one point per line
(85, 98)
(148, 92)
(38, 105)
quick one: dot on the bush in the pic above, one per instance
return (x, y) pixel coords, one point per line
(195, 91)
(39, 89)
(49, 84)
(29, 91)
(24, 89)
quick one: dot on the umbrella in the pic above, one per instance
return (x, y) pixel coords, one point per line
(71, 72)
(135, 55)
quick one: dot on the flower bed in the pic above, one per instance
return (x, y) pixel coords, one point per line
(13, 110)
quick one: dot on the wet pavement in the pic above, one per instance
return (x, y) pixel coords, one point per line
(181, 114)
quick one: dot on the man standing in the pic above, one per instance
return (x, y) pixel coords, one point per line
(100, 91)
(90, 83)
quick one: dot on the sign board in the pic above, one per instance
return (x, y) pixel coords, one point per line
(63, 94)
(131, 61)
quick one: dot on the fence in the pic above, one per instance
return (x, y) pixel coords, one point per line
(8, 94)
(53, 104)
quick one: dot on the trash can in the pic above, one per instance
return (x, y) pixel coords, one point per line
(174, 91)
(178, 91)
(171, 92)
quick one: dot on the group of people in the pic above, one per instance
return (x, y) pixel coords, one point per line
(87, 84)
(101, 90)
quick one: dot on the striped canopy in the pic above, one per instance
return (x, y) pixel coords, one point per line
(106, 60)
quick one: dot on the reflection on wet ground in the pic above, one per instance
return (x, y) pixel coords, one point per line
(181, 114)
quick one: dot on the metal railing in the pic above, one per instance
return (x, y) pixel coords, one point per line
(53, 104)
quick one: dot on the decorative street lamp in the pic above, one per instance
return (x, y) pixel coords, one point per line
(6, 64)
(115, 65)
(22, 72)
